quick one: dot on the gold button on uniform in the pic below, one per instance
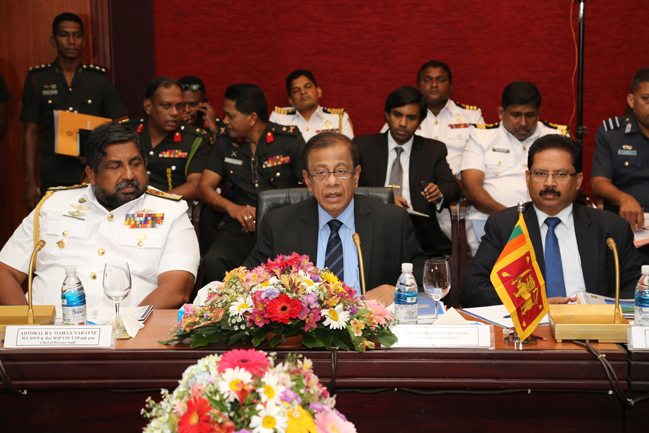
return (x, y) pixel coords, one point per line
(524, 148)
(459, 135)
(139, 244)
(61, 244)
(307, 128)
(93, 276)
(435, 137)
(101, 251)
(436, 122)
(498, 162)
(82, 200)
(278, 173)
(65, 232)
(110, 217)
(626, 163)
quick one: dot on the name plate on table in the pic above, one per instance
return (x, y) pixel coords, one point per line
(450, 336)
(56, 337)
(638, 338)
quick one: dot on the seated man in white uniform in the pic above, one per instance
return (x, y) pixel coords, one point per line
(114, 219)
(495, 158)
(305, 111)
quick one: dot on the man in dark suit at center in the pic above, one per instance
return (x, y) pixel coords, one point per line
(570, 240)
(414, 166)
(322, 227)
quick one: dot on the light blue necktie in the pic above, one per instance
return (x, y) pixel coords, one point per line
(334, 254)
(554, 284)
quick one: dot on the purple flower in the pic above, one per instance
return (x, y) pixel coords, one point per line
(288, 396)
(316, 278)
(352, 311)
(311, 300)
(319, 407)
(270, 293)
(243, 431)
(340, 415)
(212, 380)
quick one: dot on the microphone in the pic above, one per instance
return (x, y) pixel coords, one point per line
(357, 242)
(616, 313)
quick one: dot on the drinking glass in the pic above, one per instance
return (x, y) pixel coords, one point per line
(117, 286)
(437, 281)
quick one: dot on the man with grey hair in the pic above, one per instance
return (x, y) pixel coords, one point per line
(115, 218)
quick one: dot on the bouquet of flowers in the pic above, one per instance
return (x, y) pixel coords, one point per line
(244, 391)
(287, 297)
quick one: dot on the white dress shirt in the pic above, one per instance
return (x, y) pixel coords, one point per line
(573, 275)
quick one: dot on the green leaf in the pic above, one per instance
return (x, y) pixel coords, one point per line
(341, 340)
(236, 337)
(277, 338)
(258, 338)
(386, 339)
(310, 340)
(198, 339)
(326, 336)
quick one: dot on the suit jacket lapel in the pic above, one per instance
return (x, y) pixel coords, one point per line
(365, 228)
(309, 223)
(532, 223)
(587, 244)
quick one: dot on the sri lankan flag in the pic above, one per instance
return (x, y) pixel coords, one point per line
(519, 282)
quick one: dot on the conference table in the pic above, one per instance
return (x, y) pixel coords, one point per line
(547, 386)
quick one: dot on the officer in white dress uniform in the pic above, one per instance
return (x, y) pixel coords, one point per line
(115, 219)
(495, 158)
(305, 111)
(447, 121)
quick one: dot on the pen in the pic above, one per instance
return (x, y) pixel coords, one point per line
(507, 316)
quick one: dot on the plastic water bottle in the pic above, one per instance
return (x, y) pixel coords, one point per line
(73, 298)
(405, 297)
(641, 310)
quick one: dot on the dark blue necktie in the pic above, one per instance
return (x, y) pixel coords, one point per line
(334, 256)
(554, 284)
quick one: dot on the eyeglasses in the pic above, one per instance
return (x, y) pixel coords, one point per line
(192, 87)
(340, 173)
(559, 176)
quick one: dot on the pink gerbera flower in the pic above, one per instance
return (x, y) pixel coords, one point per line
(251, 360)
(330, 422)
(378, 311)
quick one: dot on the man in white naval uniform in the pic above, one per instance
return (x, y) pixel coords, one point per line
(447, 121)
(116, 218)
(305, 111)
(495, 158)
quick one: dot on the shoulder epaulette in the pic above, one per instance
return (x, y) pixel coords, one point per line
(162, 194)
(486, 125)
(39, 67)
(133, 121)
(95, 69)
(280, 110)
(563, 128)
(285, 129)
(466, 107)
(614, 123)
(334, 110)
(191, 129)
(124, 120)
(63, 188)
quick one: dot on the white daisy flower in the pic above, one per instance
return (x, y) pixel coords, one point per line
(271, 388)
(335, 318)
(241, 305)
(269, 419)
(233, 379)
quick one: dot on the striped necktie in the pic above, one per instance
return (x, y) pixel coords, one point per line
(334, 255)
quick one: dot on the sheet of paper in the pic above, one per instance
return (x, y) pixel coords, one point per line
(104, 316)
(497, 314)
(414, 212)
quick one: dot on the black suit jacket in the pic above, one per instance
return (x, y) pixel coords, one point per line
(427, 163)
(592, 228)
(387, 238)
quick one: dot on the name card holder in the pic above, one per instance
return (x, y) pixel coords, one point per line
(638, 338)
(59, 337)
(445, 336)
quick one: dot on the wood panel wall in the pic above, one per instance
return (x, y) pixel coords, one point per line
(25, 28)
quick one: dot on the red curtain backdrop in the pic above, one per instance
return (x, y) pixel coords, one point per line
(360, 51)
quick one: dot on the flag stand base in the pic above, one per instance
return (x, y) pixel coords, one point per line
(511, 337)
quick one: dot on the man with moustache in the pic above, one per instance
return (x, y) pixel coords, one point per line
(198, 111)
(305, 111)
(253, 155)
(176, 151)
(569, 239)
(69, 85)
(414, 166)
(115, 218)
(494, 161)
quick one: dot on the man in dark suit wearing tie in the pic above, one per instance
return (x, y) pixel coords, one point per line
(569, 239)
(414, 166)
(322, 226)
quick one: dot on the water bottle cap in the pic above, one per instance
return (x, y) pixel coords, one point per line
(645, 269)
(71, 270)
(406, 267)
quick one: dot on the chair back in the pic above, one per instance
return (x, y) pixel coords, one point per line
(276, 198)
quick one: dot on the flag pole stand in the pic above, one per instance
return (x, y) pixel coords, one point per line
(511, 337)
